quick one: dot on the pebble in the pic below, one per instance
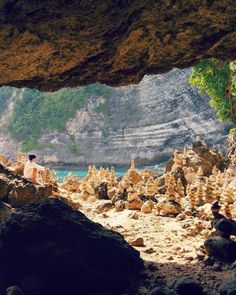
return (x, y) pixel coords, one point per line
(150, 251)
(139, 242)
(170, 258)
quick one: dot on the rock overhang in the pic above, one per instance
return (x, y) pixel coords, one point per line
(53, 44)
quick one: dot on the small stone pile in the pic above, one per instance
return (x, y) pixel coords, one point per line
(194, 179)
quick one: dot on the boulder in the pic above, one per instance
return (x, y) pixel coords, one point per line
(221, 248)
(225, 227)
(66, 252)
(101, 191)
(134, 177)
(120, 196)
(134, 205)
(187, 286)
(139, 242)
(147, 207)
(19, 191)
(119, 205)
(104, 206)
(201, 155)
(22, 194)
(169, 208)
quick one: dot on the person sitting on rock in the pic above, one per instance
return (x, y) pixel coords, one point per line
(31, 169)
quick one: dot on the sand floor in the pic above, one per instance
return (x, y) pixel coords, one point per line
(169, 250)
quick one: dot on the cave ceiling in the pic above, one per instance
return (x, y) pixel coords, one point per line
(53, 44)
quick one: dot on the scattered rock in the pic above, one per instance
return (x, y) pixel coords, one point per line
(187, 286)
(134, 215)
(170, 208)
(225, 227)
(139, 242)
(221, 248)
(104, 206)
(147, 207)
(149, 251)
(101, 191)
(92, 199)
(119, 205)
(134, 205)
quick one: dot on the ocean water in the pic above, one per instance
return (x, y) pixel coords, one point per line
(82, 172)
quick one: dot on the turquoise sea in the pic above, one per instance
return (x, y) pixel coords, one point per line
(82, 172)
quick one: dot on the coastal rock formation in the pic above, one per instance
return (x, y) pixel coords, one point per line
(200, 156)
(63, 252)
(51, 44)
(146, 122)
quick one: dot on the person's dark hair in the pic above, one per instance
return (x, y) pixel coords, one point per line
(31, 157)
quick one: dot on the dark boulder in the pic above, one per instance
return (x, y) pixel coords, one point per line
(225, 227)
(101, 191)
(121, 196)
(65, 251)
(221, 249)
(187, 286)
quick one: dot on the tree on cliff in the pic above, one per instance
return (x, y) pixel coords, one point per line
(218, 80)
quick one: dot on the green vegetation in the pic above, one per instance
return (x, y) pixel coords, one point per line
(37, 112)
(5, 94)
(75, 150)
(218, 80)
(102, 108)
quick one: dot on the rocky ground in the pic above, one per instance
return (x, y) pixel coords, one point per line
(180, 223)
(168, 249)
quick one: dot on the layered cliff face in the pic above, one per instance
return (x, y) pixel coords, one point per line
(53, 44)
(146, 122)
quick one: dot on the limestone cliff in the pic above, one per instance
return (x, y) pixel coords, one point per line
(53, 44)
(146, 121)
